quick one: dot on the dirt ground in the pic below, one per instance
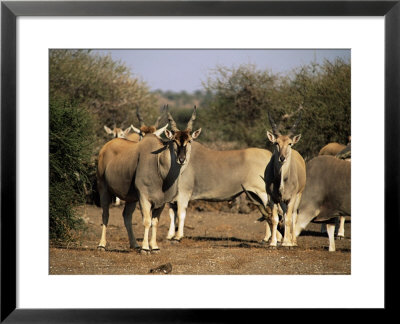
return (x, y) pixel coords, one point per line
(216, 242)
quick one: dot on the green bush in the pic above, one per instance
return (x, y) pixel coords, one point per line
(237, 110)
(105, 87)
(71, 145)
(87, 91)
(242, 96)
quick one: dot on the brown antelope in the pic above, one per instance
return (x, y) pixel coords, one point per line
(159, 172)
(137, 135)
(213, 175)
(331, 149)
(146, 172)
(342, 152)
(327, 194)
(285, 179)
(117, 132)
(113, 166)
(138, 132)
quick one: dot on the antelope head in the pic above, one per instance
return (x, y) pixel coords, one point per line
(117, 132)
(182, 140)
(283, 143)
(143, 130)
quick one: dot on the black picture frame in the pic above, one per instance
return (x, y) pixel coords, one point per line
(10, 10)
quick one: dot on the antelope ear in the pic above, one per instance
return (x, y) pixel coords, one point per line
(136, 130)
(127, 131)
(168, 134)
(271, 137)
(159, 131)
(108, 130)
(296, 138)
(196, 133)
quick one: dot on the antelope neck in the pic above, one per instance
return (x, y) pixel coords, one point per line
(281, 169)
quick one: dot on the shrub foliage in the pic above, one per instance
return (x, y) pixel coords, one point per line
(237, 110)
(86, 92)
(70, 149)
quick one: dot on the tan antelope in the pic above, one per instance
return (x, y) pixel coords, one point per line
(159, 172)
(342, 152)
(213, 175)
(146, 172)
(114, 165)
(117, 132)
(332, 149)
(138, 133)
(327, 194)
(285, 179)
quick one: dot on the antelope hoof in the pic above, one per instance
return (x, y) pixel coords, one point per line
(340, 237)
(145, 251)
(101, 248)
(272, 245)
(263, 242)
(155, 251)
(176, 240)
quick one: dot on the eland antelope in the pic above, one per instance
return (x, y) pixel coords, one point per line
(117, 132)
(285, 179)
(213, 175)
(332, 149)
(342, 152)
(114, 175)
(327, 194)
(146, 172)
(159, 169)
(138, 133)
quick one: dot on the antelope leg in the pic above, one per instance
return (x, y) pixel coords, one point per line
(182, 207)
(294, 219)
(127, 213)
(287, 239)
(275, 221)
(330, 228)
(145, 207)
(341, 227)
(105, 199)
(172, 216)
(154, 223)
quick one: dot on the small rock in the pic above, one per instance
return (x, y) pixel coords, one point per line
(165, 268)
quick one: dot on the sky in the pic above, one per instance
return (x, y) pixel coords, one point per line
(184, 70)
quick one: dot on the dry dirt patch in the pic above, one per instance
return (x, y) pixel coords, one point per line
(215, 243)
